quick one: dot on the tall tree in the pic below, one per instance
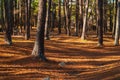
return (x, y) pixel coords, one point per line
(77, 18)
(81, 13)
(48, 20)
(117, 31)
(85, 19)
(59, 17)
(114, 17)
(8, 5)
(100, 22)
(38, 49)
(105, 16)
(67, 13)
(27, 18)
(2, 14)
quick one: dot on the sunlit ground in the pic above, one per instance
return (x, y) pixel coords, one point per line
(83, 60)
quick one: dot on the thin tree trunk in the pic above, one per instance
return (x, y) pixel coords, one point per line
(65, 25)
(67, 17)
(117, 31)
(48, 20)
(114, 19)
(81, 13)
(85, 20)
(100, 22)
(2, 16)
(27, 19)
(77, 18)
(59, 16)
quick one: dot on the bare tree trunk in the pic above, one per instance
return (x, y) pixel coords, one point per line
(8, 20)
(114, 18)
(38, 49)
(77, 18)
(85, 20)
(117, 31)
(81, 13)
(2, 15)
(48, 20)
(65, 26)
(67, 17)
(105, 16)
(27, 19)
(100, 22)
(59, 16)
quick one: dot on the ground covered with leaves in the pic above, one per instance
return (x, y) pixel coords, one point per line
(69, 59)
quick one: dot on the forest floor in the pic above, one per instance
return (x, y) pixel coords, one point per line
(81, 60)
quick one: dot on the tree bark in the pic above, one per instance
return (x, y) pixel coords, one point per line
(77, 18)
(100, 22)
(48, 20)
(117, 31)
(27, 18)
(67, 13)
(59, 17)
(85, 20)
(8, 20)
(38, 49)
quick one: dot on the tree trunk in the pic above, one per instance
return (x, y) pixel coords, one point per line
(2, 15)
(65, 25)
(100, 22)
(85, 20)
(8, 20)
(67, 13)
(117, 31)
(81, 13)
(48, 20)
(77, 18)
(114, 18)
(27, 18)
(38, 49)
(59, 16)
(105, 16)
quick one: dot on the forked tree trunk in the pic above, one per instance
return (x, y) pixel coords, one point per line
(38, 49)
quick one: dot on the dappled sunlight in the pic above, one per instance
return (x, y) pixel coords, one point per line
(82, 59)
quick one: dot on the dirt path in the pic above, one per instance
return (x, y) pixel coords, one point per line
(82, 60)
